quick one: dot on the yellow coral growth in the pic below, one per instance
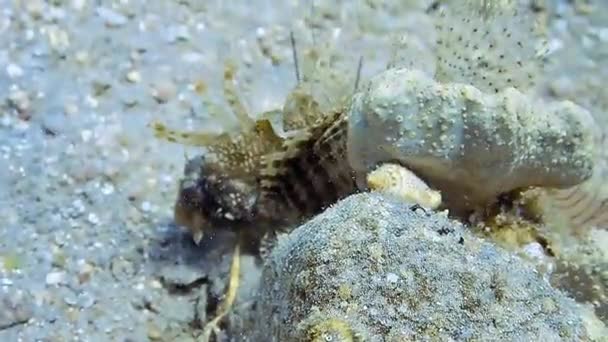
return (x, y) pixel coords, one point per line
(331, 330)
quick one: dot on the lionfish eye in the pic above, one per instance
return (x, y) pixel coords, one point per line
(190, 192)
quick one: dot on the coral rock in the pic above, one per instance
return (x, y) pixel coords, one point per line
(470, 145)
(373, 269)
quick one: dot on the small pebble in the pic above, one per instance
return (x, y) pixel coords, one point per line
(85, 300)
(58, 38)
(164, 91)
(84, 272)
(110, 17)
(29, 35)
(154, 332)
(78, 206)
(35, 8)
(146, 206)
(86, 135)
(107, 189)
(54, 278)
(19, 99)
(155, 284)
(14, 71)
(81, 57)
(91, 101)
(392, 278)
(78, 4)
(177, 33)
(192, 57)
(93, 218)
(133, 76)
(70, 299)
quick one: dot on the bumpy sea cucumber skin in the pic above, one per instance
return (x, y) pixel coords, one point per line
(469, 145)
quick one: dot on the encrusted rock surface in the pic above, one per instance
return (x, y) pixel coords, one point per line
(374, 269)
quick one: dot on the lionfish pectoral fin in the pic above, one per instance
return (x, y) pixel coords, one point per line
(185, 138)
(232, 97)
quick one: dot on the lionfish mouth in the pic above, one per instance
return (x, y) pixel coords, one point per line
(187, 208)
(187, 216)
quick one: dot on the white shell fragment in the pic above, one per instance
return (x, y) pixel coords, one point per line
(470, 145)
(398, 181)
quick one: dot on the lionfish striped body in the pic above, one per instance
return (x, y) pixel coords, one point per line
(262, 180)
(310, 174)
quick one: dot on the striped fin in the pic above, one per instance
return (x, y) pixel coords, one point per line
(311, 171)
(581, 206)
(185, 138)
(274, 162)
(331, 149)
(336, 128)
(277, 192)
(232, 97)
